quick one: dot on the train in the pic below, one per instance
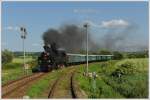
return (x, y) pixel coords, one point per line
(54, 58)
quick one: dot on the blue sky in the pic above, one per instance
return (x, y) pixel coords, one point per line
(37, 17)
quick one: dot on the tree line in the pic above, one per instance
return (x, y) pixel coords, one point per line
(7, 55)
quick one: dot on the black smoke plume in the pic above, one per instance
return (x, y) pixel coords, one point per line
(72, 38)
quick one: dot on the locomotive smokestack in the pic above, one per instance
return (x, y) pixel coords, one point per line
(46, 48)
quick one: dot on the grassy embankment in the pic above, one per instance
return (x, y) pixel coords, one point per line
(133, 83)
(14, 70)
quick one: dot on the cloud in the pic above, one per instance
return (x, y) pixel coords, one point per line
(115, 23)
(12, 28)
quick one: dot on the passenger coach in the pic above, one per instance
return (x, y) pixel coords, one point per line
(80, 58)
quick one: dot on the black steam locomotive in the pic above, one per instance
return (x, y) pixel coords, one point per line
(54, 58)
(51, 58)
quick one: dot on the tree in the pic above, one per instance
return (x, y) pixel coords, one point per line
(146, 53)
(7, 56)
(117, 55)
(82, 51)
(105, 52)
(141, 54)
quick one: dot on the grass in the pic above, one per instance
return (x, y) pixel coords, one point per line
(133, 85)
(128, 86)
(20, 60)
(42, 87)
(14, 70)
(100, 90)
(105, 86)
(35, 91)
(12, 74)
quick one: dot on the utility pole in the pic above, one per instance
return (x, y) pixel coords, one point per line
(86, 25)
(23, 37)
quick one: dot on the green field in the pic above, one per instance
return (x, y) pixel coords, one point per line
(20, 60)
(133, 84)
(126, 78)
(14, 70)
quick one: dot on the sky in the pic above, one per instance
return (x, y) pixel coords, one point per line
(38, 17)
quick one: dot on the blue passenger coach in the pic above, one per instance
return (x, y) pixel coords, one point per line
(80, 58)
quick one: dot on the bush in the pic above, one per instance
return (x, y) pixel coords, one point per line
(33, 63)
(142, 54)
(7, 56)
(131, 86)
(105, 52)
(117, 55)
(125, 68)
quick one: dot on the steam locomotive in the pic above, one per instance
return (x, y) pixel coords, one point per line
(54, 58)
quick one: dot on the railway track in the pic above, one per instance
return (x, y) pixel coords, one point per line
(16, 89)
(62, 87)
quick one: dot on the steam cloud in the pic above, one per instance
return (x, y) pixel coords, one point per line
(70, 37)
(118, 36)
(115, 38)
